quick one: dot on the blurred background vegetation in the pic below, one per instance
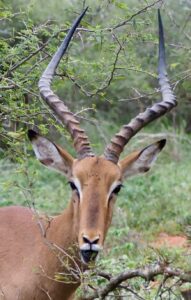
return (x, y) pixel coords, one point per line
(108, 75)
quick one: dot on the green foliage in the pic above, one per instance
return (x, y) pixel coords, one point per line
(113, 60)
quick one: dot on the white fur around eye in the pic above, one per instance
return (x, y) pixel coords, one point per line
(78, 185)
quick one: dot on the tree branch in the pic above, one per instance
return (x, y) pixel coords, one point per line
(148, 273)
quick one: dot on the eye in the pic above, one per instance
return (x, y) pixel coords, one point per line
(72, 185)
(74, 188)
(117, 189)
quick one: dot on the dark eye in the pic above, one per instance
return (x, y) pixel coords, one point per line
(72, 185)
(117, 189)
(74, 188)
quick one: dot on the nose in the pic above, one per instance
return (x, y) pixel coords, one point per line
(90, 248)
(92, 241)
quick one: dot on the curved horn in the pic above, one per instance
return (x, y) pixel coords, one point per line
(81, 142)
(117, 144)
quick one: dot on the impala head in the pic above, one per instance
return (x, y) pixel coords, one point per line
(96, 180)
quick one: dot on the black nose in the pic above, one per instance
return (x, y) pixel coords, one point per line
(92, 241)
(88, 255)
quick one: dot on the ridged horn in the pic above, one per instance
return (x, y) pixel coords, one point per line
(118, 142)
(81, 142)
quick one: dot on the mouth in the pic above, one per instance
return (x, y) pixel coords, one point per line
(88, 256)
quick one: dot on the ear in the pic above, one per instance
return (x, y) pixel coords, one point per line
(141, 161)
(51, 155)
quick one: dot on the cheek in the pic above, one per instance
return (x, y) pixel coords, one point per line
(76, 208)
(110, 212)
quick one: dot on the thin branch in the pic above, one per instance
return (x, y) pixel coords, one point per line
(21, 62)
(8, 87)
(106, 82)
(141, 96)
(24, 60)
(137, 13)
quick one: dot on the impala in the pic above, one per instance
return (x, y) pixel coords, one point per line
(32, 247)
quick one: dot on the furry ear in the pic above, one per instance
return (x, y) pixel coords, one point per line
(141, 161)
(51, 155)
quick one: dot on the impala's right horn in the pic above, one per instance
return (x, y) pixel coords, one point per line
(81, 142)
(117, 144)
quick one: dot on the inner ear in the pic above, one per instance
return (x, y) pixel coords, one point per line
(141, 161)
(50, 154)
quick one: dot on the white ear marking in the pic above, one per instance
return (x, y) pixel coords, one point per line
(49, 155)
(142, 161)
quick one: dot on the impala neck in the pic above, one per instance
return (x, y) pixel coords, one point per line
(63, 229)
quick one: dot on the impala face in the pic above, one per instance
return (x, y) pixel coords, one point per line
(95, 183)
(94, 194)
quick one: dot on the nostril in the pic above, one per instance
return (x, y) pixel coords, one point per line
(95, 241)
(86, 240)
(90, 241)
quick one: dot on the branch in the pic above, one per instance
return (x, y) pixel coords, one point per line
(106, 83)
(21, 62)
(136, 14)
(148, 273)
(24, 60)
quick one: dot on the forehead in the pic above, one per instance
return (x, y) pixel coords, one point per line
(96, 168)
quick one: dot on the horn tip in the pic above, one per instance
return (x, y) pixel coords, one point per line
(162, 143)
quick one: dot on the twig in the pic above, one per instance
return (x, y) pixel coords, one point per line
(27, 58)
(107, 81)
(131, 291)
(46, 292)
(141, 96)
(136, 14)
